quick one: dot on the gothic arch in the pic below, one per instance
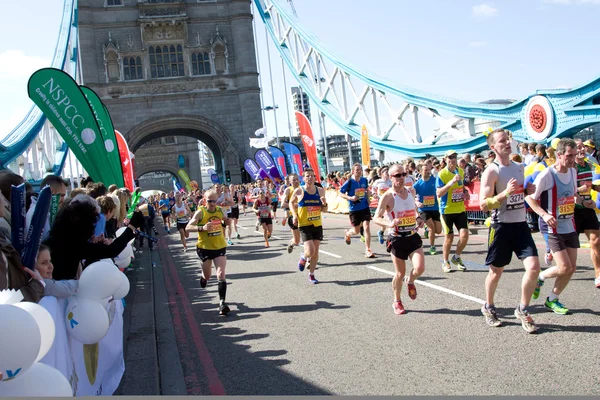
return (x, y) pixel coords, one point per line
(146, 169)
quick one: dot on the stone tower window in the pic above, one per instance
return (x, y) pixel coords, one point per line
(200, 63)
(112, 66)
(132, 68)
(108, 3)
(166, 61)
(219, 57)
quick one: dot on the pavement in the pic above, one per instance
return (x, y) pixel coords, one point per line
(285, 336)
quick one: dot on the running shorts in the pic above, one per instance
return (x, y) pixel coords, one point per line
(274, 206)
(433, 214)
(181, 225)
(507, 238)
(586, 219)
(205, 254)
(235, 213)
(290, 222)
(311, 232)
(268, 221)
(563, 241)
(403, 246)
(358, 217)
(459, 220)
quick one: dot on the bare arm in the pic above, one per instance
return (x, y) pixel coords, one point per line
(296, 196)
(192, 226)
(384, 203)
(444, 189)
(323, 199)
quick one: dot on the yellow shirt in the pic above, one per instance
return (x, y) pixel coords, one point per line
(309, 209)
(453, 202)
(214, 238)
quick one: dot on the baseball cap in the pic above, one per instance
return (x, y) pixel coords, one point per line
(449, 153)
(589, 143)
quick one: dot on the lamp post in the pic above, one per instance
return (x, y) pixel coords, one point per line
(274, 109)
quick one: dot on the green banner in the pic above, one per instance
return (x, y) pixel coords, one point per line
(186, 179)
(65, 106)
(107, 131)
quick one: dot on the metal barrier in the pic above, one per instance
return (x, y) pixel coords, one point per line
(477, 215)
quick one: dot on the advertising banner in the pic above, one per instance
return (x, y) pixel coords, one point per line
(126, 161)
(266, 162)
(186, 179)
(279, 158)
(214, 177)
(365, 149)
(254, 170)
(310, 146)
(294, 158)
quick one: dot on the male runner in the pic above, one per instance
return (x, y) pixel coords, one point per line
(165, 211)
(427, 202)
(287, 195)
(586, 220)
(208, 221)
(450, 191)
(398, 213)
(502, 193)
(234, 213)
(182, 213)
(554, 201)
(225, 201)
(262, 208)
(307, 204)
(355, 190)
(380, 186)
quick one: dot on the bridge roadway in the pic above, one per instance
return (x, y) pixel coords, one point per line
(285, 336)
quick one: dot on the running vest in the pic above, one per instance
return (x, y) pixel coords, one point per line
(264, 209)
(181, 214)
(274, 198)
(223, 199)
(164, 206)
(584, 177)
(309, 209)
(513, 208)
(288, 198)
(406, 211)
(426, 192)
(559, 201)
(236, 200)
(213, 239)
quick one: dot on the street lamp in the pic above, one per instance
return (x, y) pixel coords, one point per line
(274, 109)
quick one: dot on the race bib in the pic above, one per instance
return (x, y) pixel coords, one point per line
(516, 200)
(566, 206)
(428, 201)
(264, 212)
(407, 220)
(214, 229)
(314, 213)
(359, 193)
(458, 195)
(180, 214)
(587, 195)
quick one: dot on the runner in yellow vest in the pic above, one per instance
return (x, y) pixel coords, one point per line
(209, 222)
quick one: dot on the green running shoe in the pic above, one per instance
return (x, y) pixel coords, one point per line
(432, 251)
(457, 261)
(362, 238)
(536, 291)
(556, 307)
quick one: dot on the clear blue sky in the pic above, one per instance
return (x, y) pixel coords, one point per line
(473, 50)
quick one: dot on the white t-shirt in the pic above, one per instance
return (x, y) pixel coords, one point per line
(544, 181)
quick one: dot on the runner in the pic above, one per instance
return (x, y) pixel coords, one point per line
(554, 201)
(262, 208)
(428, 205)
(225, 201)
(355, 190)
(182, 213)
(287, 195)
(398, 213)
(307, 203)
(502, 193)
(586, 220)
(165, 212)
(208, 222)
(274, 199)
(380, 186)
(234, 214)
(450, 191)
(173, 219)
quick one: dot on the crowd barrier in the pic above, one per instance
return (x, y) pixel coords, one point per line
(92, 369)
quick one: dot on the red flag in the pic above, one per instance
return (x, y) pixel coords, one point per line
(126, 161)
(310, 147)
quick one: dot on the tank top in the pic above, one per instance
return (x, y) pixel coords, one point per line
(274, 198)
(513, 208)
(222, 198)
(264, 209)
(213, 239)
(406, 211)
(559, 201)
(288, 198)
(236, 200)
(309, 209)
(181, 214)
(584, 177)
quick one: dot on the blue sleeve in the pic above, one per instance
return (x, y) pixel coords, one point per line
(439, 183)
(344, 188)
(418, 185)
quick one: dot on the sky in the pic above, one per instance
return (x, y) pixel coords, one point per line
(466, 49)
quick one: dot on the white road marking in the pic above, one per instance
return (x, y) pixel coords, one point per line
(329, 254)
(430, 285)
(243, 227)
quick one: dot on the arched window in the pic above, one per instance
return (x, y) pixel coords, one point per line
(220, 61)
(132, 68)
(200, 63)
(112, 65)
(166, 61)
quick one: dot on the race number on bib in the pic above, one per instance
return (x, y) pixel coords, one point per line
(566, 206)
(407, 220)
(214, 227)
(359, 193)
(516, 200)
(314, 213)
(458, 195)
(428, 201)
(264, 211)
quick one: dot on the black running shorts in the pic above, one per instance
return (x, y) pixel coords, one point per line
(205, 254)
(358, 217)
(290, 222)
(459, 220)
(274, 206)
(181, 225)
(268, 221)
(433, 214)
(586, 219)
(507, 238)
(311, 232)
(235, 213)
(403, 246)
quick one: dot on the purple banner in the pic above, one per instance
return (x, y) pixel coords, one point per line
(266, 162)
(254, 170)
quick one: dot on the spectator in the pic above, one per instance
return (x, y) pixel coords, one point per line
(590, 148)
(470, 171)
(57, 186)
(58, 289)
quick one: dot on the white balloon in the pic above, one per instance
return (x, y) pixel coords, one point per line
(123, 262)
(104, 302)
(99, 280)
(40, 380)
(123, 288)
(86, 320)
(20, 341)
(44, 322)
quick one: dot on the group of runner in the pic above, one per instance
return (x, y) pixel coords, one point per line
(560, 195)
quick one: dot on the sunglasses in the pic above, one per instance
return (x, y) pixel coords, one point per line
(452, 157)
(400, 175)
(211, 201)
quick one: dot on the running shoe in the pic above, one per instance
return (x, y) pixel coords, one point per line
(538, 287)
(184, 249)
(223, 308)
(290, 248)
(203, 282)
(446, 266)
(597, 283)
(369, 254)
(283, 221)
(380, 235)
(458, 263)
(548, 258)
(347, 238)
(556, 307)
(412, 289)
(266, 243)
(491, 317)
(526, 321)
(399, 308)
(432, 250)
(312, 279)
(362, 239)
(238, 236)
(301, 263)
(229, 242)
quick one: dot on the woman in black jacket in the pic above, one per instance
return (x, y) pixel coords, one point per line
(70, 237)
